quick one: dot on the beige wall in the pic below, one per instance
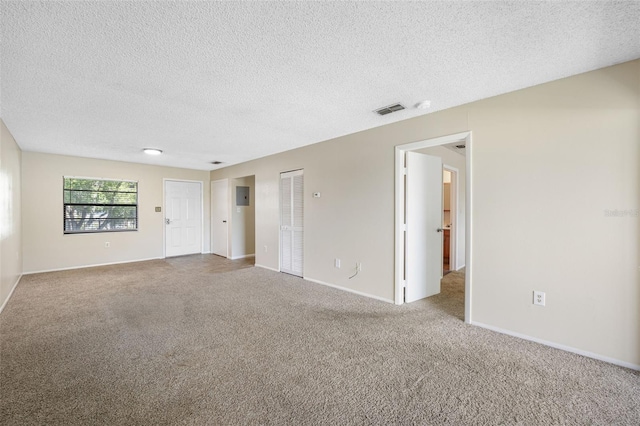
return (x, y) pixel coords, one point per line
(547, 162)
(46, 247)
(243, 219)
(10, 213)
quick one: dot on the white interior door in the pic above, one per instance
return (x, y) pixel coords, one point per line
(219, 217)
(291, 222)
(183, 217)
(423, 252)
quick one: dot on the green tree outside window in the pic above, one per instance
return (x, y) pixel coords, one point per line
(99, 205)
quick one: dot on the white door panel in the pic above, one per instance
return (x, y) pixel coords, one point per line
(423, 252)
(219, 216)
(183, 218)
(292, 222)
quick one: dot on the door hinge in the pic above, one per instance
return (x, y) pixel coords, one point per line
(404, 171)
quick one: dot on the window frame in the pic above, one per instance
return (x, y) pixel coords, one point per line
(105, 230)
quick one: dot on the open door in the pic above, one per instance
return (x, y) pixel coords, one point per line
(423, 209)
(219, 217)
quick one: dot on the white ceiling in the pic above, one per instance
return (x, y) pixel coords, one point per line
(235, 81)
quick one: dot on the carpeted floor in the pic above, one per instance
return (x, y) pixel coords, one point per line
(175, 342)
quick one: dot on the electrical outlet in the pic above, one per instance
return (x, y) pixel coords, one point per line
(539, 298)
(107, 244)
(359, 266)
(336, 263)
(265, 248)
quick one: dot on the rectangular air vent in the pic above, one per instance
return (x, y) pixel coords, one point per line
(389, 109)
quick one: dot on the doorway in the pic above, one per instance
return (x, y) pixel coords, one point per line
(450, 187)
(403, 264)
(183, 217)
(292, 222)
(243, 218)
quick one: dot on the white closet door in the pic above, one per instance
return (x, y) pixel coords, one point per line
(292, 222)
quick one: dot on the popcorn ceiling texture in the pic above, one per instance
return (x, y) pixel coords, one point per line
(235, 81)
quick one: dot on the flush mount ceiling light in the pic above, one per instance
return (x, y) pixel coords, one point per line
(152, 151)
(423, 105)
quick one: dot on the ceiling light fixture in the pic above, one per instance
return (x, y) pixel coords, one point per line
(152, 151)
(423, 105)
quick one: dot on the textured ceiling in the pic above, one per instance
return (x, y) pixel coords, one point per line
(235, 81)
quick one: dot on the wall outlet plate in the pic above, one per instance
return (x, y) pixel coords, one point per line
(539, 298)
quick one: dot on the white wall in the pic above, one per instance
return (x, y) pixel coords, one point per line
(10, 214)
(547, 163)
(46, 247)
(243, 220)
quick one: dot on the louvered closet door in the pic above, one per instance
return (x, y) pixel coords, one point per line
(291, 222)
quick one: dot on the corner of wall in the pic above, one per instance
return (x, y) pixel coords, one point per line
(11, 268)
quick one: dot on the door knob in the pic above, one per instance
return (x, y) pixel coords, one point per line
(167, 221)
(439, 229)
(224, 221)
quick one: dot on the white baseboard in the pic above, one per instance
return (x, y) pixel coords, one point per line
(91, 266)
(266, 267)
(371, 296)
(244, 256)
(10, 294)
(559, 346)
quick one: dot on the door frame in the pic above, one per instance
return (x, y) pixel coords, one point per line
(164, 208)
(233, 205)
(228, 206)
(400, 150)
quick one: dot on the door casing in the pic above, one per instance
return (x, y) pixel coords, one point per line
(400, 150)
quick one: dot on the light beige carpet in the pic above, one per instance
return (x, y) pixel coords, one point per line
(172, 342)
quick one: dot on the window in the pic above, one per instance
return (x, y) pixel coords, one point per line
(99, 205)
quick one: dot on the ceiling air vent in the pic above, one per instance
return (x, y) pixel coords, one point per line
(389, 109)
